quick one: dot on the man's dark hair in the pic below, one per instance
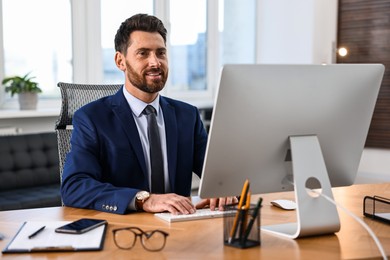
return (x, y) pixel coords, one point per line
(138, 22)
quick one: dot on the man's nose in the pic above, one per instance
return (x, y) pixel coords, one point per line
(154, 60)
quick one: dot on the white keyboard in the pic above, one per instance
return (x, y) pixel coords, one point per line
(199, 214)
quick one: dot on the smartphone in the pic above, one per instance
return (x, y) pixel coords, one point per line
(81, 226)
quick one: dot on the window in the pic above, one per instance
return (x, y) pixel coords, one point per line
(113, 13)
(187, 40)
(237, 25)
(202, 36)
(38, 42)
(205, 35)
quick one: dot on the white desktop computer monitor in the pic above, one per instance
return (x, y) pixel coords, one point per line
(286, 127)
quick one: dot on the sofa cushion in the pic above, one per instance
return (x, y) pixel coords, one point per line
(34, 197)
(28, 160)
(29, 171)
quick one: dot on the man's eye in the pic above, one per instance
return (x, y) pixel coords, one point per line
(162, 53)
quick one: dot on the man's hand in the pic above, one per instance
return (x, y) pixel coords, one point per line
(218, 203)
(170, 202)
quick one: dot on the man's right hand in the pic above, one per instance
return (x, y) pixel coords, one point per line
(170, 202)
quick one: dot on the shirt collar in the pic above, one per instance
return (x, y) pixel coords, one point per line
(137, 105)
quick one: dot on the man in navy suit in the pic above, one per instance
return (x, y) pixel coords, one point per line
(108, 167)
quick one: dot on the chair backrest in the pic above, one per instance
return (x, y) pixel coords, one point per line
(75, 96)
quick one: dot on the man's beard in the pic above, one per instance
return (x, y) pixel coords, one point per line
(139, 81)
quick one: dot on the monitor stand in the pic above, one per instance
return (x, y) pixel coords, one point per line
(315, 215)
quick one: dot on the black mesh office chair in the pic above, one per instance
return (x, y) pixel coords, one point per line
(73, 97)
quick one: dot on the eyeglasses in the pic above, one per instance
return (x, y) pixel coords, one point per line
(125, 238)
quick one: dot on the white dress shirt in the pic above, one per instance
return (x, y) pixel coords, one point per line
(137, 106)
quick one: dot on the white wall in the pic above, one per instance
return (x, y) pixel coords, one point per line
(297, 32)
(374, 166)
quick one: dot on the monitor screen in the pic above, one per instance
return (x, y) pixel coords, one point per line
(259, 107)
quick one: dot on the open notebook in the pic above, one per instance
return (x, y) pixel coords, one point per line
(49, 240)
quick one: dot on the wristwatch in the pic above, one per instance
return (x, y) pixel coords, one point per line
(140, 199)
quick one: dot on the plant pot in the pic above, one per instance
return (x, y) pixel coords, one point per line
(28, 100)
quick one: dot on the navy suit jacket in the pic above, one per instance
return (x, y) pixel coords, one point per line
(106, 166)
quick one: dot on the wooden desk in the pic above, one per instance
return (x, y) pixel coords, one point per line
(202, 239)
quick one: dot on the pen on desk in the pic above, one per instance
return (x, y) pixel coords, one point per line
(252, 221)
(36, 232)
(53, 248)
(244, 192)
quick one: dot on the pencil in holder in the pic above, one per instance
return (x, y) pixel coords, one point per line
(241, 226)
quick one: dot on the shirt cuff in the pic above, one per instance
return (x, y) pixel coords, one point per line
(132, 206)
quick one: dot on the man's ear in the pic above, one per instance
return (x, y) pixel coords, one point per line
(120, 61)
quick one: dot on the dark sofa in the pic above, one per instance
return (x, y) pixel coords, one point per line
(29, 171)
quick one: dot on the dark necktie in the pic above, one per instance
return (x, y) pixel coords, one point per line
(156, 158)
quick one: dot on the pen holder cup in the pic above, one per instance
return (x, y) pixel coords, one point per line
(241, 227)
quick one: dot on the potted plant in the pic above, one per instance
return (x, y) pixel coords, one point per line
(26, 88)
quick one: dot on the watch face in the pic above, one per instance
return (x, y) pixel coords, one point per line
(142, 195)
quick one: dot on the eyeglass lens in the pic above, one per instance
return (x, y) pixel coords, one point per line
(151, 240)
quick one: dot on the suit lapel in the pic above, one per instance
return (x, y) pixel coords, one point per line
(121, 109)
